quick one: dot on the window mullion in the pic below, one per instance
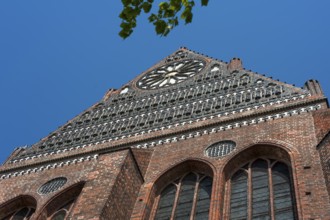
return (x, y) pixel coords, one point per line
(192, 214)
(177, 194)
(228, 201)
(271, 193)
(249, 192)
(154, 211)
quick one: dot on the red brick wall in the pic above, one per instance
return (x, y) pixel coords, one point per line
(113, 184)
(142, 157)
(294, 135)
(99, 176)
(124, 192)
(322, 127)
(321, 123)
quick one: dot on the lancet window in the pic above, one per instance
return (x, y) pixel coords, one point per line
(24, 213)
(62, 212)
(188, 197)
(262, 189)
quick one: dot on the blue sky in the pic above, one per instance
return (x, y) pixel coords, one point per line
(57, 58)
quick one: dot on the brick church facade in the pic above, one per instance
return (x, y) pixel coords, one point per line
(192, 137)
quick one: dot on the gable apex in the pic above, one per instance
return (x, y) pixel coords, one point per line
(185, 87)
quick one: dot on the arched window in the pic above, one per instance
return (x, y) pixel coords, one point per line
(21, 214)
(262, 189)
(187, 196)
(62, 212)
(19, 208)
(62, 204)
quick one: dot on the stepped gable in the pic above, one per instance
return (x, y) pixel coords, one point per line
(185, 87)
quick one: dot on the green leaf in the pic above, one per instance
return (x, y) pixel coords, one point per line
(174, 22)
(123, 16)
(169, 13)
(204, 2)
(136, 2)
(128, 13)
(164, 21)
(124, 25)
(167, 31)
(189, 18)
(184, 14)
(175, 5)
(163, 5)
(152, 18)
(160, 26)
(126, 2)
(146, 7)
(185, 3)
(124, 34)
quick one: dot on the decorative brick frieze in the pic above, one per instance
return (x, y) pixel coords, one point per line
(215, 91)
(234, 125)
(222, 127)
(48, 166)
(220, 121)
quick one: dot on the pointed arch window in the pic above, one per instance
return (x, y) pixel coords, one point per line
(186, 198)
(21, 214)
(62, 212)
(60, 207)
(262, 189)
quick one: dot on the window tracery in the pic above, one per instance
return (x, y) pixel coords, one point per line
(62, 212)
(61, 205)
(187, 197)
(118, 113)
(262, 189)
(24, 213)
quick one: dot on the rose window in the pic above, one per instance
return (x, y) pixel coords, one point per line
(170, 74)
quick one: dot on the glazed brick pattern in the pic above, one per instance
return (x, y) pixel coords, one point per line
(296, 135)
